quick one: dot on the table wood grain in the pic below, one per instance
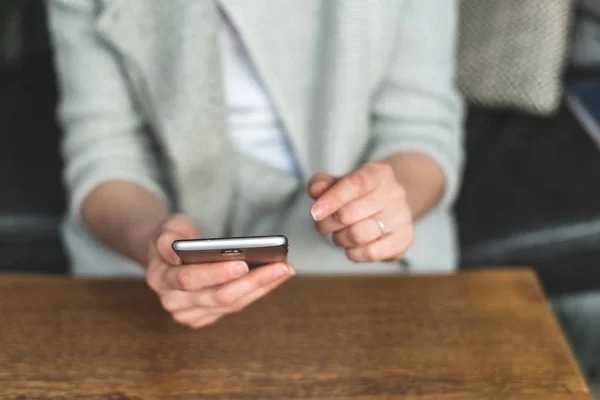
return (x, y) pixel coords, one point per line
(475, 335)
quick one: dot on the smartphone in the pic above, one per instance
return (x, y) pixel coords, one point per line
(254, 250)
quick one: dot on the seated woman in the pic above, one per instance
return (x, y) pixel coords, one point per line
(336, 123)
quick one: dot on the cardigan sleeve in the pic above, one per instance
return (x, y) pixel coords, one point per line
(418, 108)
(103, 132)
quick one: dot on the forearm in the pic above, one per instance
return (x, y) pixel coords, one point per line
(124, 216)
(422, 179)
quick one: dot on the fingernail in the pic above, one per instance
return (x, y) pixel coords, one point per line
(319, 211)
(239, 269)
(291, 270)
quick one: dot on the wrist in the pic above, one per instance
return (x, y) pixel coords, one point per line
(422, 179)
(143, 232)
(124, 216)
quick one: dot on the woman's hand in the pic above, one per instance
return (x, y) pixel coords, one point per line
(366, 211)
(200, 294)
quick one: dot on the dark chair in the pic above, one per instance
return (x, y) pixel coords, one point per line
(32, 198)
(531, 196)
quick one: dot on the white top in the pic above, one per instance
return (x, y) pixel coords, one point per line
(254, 126)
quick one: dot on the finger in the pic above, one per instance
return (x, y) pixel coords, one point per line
(177, 301)
(206, 321)
(196, 317)
(319, 183)
(229, 293)
(357, 184)
(391, 246)
(358, 234)
(196, 277)
(257, 294)
(353, 212)
(362, 208)
(328, 225)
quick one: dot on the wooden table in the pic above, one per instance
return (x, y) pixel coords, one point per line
(484, 335)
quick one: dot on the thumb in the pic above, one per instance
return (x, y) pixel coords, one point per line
(319, 183)
(183, 226)
(177, 227)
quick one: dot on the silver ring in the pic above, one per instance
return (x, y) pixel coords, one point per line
(381, 226)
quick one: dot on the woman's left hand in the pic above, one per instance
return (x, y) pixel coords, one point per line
(366, 211)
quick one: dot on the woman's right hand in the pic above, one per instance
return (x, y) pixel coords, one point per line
(198, 295)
